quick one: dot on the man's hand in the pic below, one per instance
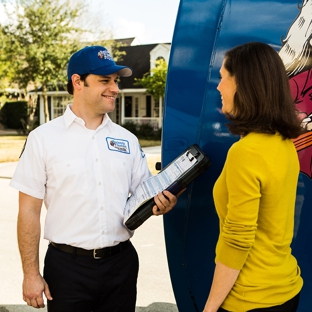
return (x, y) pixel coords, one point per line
(28, 234)
(33, 288)
(165, 201)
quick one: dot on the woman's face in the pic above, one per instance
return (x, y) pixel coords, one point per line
(227, 89)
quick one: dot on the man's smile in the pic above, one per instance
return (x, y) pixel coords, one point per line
(112, 97)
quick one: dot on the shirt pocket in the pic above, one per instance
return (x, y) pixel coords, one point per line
(120, 173)
(71, 177)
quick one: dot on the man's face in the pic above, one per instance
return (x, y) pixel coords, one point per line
(100, 92)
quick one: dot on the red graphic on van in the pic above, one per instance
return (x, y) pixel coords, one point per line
(296, 53)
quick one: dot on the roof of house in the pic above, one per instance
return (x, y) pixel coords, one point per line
(122, 41)
(50, 88)
(125, 41)
(138, 58)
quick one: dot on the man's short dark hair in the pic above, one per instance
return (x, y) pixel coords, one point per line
(70, 88)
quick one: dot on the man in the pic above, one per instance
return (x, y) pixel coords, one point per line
(83, 166)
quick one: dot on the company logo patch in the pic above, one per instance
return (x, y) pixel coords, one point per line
(118, 145)
(105, 55)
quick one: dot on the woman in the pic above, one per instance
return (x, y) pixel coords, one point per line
(256, 190)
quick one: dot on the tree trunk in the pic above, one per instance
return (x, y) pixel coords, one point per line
(32, 105)
(45, 103)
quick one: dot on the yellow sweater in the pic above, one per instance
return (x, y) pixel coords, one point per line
(255, 200)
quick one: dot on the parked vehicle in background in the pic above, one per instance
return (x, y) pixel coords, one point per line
(204, 30)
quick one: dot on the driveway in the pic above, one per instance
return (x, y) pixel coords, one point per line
(155, 293)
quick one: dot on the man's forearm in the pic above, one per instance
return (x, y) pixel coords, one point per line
(28, 233)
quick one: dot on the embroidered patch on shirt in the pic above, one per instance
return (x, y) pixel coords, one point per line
(118, 145)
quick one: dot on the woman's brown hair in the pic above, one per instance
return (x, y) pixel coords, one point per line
(263, 101)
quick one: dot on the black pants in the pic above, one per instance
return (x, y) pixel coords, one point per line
(289, 306)
(83, 284)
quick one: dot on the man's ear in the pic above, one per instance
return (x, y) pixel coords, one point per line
(75, 78)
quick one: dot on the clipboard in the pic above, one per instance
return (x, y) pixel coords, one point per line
(184, 170)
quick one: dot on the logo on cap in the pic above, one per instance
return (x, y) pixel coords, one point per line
(105, 55)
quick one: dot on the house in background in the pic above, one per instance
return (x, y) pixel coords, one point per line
(12, 94)
(133, 104)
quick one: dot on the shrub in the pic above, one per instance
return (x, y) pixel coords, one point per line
(143, 131)
(14, 115)
(131, 126)
(157, 134)
(146, 132)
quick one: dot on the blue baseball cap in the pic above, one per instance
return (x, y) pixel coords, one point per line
(95, 60)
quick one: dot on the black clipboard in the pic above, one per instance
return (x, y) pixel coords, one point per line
(143, 212)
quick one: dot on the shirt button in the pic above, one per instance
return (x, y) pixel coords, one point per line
(103, 232)
(96, 160)
(99, 183)
(102, 208)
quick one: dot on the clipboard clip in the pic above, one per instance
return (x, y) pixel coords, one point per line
(189, 155)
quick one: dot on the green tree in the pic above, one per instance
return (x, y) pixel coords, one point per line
(6, 71)
(37, 42)
(155, 80)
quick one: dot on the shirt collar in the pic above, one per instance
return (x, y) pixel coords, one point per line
(106, 120)
(70, 117)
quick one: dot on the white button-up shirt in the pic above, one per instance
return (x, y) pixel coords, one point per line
(84, 178)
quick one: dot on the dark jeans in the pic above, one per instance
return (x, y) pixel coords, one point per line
(289, 306)
(83, 284)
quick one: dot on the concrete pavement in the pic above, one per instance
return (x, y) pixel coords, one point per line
(155, 293)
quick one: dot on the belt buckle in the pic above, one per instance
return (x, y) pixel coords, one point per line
(94, 254)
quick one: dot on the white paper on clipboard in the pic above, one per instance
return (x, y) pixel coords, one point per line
(157, 183)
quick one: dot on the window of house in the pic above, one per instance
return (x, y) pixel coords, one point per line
(136, 107)
(117, 111)
(128, 106)
(148, 112)
(156, 109)
(160, 58)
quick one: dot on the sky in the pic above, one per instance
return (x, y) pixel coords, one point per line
(150, 21)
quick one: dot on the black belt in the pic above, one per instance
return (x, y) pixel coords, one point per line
(95, 253)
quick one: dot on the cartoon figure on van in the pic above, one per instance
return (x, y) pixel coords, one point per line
(296, 54)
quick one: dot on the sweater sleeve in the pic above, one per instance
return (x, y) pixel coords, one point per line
(243, 177)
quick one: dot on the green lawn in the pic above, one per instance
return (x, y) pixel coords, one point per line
(11, 146)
